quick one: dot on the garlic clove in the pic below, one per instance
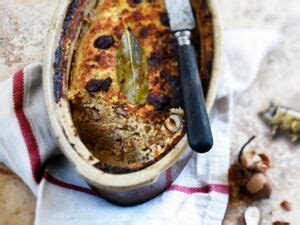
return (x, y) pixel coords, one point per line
(252, 215)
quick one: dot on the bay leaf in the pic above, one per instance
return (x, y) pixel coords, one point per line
(131, 69)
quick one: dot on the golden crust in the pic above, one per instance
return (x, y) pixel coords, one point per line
(126, 137)
(155, 38)
(140, 138)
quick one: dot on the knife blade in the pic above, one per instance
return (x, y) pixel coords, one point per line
(180, 14)
(198, 127)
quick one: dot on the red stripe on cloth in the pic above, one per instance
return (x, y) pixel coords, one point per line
(187, 190)
(66, 185)
(26, 130)
(219, 188)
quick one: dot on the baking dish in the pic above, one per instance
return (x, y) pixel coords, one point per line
(142, 185)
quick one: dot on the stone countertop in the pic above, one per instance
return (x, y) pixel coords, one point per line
(23, 29)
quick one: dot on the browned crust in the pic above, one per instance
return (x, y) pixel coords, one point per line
(206, 48)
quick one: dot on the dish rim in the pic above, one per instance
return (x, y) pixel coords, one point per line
(91, 174)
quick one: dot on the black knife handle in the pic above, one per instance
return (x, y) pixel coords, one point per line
(198, 127)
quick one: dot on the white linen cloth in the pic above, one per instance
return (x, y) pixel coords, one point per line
(198, 196)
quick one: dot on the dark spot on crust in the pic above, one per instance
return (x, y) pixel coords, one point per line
(104, 59)
(160, 101)
(154, 81)
(154, 115)
(137, 15)
(118, 32)
(136, 1)
(167, 76)
(176, 101)
(104, 42)
(173, 85)
(164, 19)
(126, 11)
(152, 29)
(171, 50)
(144, 32)
(95, 85)
(155, 58)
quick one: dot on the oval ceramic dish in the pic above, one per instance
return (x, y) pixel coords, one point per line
(142, 185)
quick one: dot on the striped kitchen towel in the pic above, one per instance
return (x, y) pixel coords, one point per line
(198, 196)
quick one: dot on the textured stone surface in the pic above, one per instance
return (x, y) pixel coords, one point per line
(278, 82)
(17, 203)
(23, 29)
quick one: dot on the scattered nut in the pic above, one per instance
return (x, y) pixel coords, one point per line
(248, 175)
(286, 205)
(173, 123)
(281, 223)
(265, 158)
(249, 159)
(252, 215)
(264, 164)
(256, 183)
(259, 186)
(253, 161)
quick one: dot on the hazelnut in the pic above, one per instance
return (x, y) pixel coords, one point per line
(249, 159)
(265, 162)
(253, 161)
(281, 223)
(259, 186)
(252, 215)
(173, 123)
(286, 205)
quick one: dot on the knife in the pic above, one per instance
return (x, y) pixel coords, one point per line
(198, 127)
